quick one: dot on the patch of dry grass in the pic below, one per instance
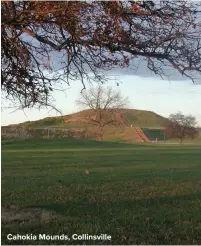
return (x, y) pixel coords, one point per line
(12, 215)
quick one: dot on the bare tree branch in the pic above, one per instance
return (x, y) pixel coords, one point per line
(105, 104)
(181, 126)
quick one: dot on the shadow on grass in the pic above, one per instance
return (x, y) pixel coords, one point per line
(129, 222)
(96, 207)
(69, 142)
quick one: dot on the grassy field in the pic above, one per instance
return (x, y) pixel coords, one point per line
(138, 194)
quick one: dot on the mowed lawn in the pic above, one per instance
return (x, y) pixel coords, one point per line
(138, 194)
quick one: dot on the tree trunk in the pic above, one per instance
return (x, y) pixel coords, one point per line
(181, 140)
(100, 134)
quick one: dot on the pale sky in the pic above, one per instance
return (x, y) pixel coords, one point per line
(160, 96)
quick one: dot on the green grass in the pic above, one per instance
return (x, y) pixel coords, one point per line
(46, 122)
(152, 134)
(138, 194)
(143, 118)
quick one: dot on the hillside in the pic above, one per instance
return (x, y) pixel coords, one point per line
(149, 125)
(135, 117)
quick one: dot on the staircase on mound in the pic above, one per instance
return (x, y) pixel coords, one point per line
(140, 136)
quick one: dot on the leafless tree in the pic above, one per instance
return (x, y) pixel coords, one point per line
(104, 104)
(181, 126)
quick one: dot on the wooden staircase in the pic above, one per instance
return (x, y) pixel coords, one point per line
(120, 119)
(141, 137)
(141, 134)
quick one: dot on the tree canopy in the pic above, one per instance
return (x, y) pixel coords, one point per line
(45, 43)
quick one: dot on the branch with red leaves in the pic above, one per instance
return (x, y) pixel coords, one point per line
(46, 43)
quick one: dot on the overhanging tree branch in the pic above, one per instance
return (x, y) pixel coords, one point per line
(89, 37)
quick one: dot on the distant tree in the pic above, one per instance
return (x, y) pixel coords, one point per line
(181, 126)
(46, 42)
(104, 104)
